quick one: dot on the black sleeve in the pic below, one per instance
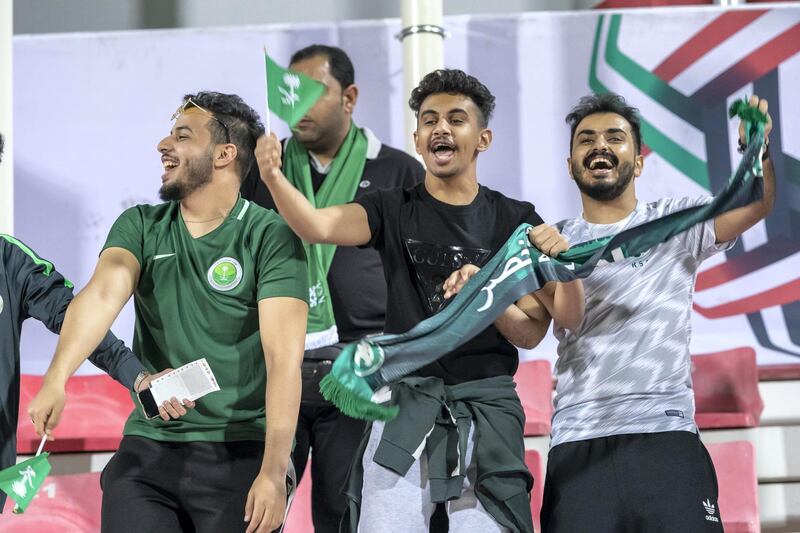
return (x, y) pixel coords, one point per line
(373, 203)
(532, 217)
(117, 360)
(45, 295)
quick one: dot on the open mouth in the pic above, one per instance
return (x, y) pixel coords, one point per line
(600, 165)
(443, 151)
(170, 164)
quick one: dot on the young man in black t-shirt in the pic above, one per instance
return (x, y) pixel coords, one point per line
(355, 278)
(423, 234)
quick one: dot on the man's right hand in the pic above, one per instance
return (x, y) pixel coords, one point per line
(268, 156)
(548, 240)
(46, 407)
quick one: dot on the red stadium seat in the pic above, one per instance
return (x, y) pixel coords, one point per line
(67, 504)
(534, 462)
(726, 389)
(735, 463)
(92, 421)
(299, 519)
(535, 388)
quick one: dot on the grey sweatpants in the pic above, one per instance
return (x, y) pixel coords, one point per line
(402, 504)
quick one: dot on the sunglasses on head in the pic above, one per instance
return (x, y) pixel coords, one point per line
(189, 104)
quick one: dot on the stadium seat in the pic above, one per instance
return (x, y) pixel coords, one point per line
(535, 388)
(299, 519)
(92, 421)
(534, 462)
(67, 504)
(726, 389)
(735, 463)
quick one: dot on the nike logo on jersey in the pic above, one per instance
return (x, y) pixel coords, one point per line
(162, 256)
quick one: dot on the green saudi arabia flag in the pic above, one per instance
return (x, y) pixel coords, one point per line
(290, 94)
(22, 481)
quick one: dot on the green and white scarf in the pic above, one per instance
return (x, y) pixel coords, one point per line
(338, 187)
(517, 269)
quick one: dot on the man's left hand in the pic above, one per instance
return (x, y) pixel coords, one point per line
(266, 504)
(762, 105)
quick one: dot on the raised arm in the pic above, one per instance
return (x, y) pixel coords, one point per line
(282, 322)
(344, 225)
(88, 318)
(730, 225)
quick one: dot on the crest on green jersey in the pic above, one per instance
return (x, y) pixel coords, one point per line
(225, 274)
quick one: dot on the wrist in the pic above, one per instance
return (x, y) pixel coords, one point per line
(140, 379)
(764, 155)
(272, 474)
(55, 379)
(273, 469)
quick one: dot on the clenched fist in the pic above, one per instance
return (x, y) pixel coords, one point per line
(762, 105)
(548, 240)
(268, 156)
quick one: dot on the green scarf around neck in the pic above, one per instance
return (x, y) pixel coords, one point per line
(518, 268)
(338, 187)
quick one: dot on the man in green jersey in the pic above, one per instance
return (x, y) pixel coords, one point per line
(212, 276)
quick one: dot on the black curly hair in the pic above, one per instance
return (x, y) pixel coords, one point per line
(243, 123)
(605, 103)
(454, 81)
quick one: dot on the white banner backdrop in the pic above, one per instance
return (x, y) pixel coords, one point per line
(90, 108)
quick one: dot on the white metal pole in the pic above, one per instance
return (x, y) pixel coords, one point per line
(423, 50)
(7, 166)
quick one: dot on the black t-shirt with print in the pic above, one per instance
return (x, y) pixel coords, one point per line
(422, 241)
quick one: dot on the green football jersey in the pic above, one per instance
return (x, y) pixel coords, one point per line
(198, 297)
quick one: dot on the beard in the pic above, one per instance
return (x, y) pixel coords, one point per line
(600, 190)
(198, 173)
(309, 136)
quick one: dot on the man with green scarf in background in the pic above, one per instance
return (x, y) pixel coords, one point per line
(332, 161)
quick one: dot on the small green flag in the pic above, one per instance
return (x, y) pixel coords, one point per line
(290, 94)
(22, 481)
